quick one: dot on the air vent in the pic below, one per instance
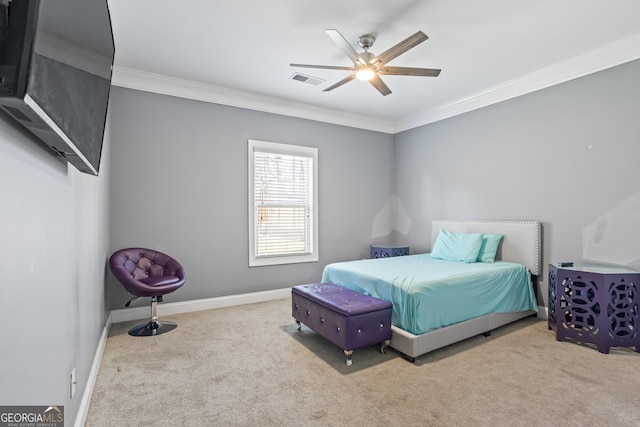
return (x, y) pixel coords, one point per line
(315, 81)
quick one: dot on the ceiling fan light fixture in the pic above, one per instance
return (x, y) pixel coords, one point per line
(365, 73)
(369, 67)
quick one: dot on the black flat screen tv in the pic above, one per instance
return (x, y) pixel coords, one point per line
(56, 61)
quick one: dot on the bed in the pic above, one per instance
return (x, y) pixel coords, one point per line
(435, 306)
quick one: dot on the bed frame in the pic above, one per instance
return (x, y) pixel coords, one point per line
(521, 244)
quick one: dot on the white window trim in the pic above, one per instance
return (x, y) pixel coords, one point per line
(295, 150)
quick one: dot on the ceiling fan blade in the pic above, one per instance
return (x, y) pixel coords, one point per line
(400, 48)
(327, 67)
(341, 82)
(345, 46)
(408, 71)
(377, 82)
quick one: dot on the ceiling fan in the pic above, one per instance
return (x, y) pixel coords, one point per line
(367, 66)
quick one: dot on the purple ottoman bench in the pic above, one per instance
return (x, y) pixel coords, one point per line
(347, 318)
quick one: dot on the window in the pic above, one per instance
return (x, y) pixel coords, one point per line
(283, 203)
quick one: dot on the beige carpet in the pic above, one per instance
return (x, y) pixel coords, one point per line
(250, 366)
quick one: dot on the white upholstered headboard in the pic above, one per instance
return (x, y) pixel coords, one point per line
(521, 241)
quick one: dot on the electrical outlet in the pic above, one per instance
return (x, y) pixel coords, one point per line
(73, 382)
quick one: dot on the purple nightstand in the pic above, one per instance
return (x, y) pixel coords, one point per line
(388, 251)
(595, 304)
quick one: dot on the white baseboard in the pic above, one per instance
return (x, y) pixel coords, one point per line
(127, 314)
(83, 410)
(543, 312)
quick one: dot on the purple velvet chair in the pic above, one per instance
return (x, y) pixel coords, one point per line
(147, 273)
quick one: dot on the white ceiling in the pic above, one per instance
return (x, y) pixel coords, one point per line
(237, 52)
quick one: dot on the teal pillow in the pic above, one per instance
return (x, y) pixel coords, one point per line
(453, 246)
(489, 248)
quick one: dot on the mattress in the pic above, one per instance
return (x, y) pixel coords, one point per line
(428, 293)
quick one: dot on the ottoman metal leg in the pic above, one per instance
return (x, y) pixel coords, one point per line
(348, 353)
(299, 324)
(384, 345)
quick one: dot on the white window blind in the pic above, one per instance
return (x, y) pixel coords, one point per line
(282, 203)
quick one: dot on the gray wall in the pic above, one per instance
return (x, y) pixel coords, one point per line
(567, 156)
(180, 186)
(53, 248)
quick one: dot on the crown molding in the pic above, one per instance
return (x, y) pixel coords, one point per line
(620, 52)
(156, 83)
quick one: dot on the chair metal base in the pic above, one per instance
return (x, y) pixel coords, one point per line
(152, 328)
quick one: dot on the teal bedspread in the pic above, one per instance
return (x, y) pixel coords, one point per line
(428, 293)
